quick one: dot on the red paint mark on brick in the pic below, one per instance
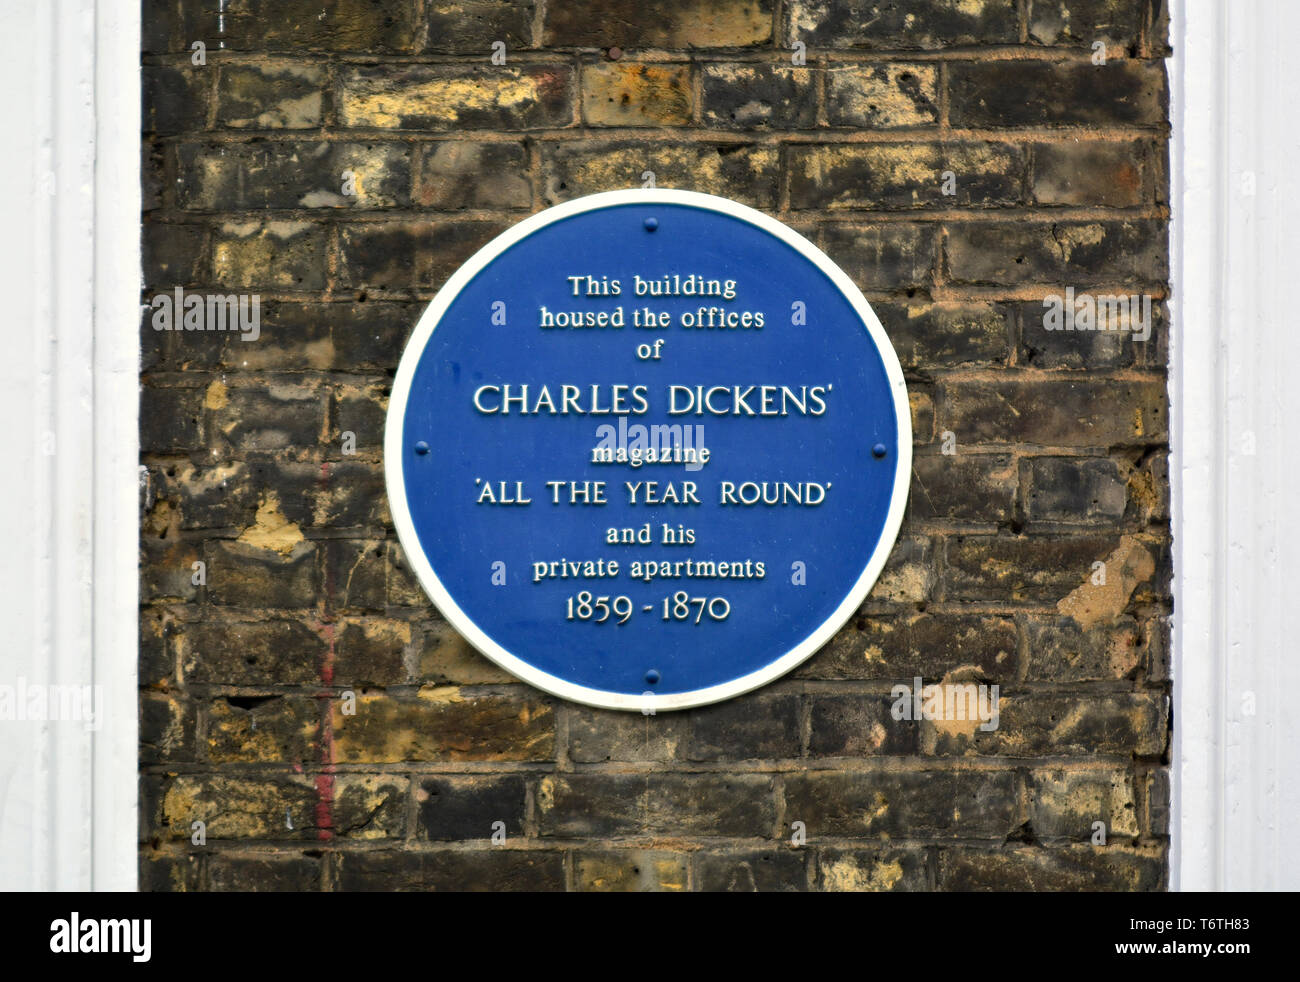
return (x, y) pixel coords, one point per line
(325, 780)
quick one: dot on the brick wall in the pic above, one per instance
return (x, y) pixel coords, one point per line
(1039, 454)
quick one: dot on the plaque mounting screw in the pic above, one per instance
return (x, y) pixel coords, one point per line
(422, 447)
(651, 224)
(879, 450)
(651, 677)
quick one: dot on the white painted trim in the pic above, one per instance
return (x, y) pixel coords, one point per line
(393, 454)
(1234, 356)
(70, 273)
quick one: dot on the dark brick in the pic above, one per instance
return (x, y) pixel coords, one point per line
(408, 256)
(369, 26)
(353, 577)
(597, 735)
(1037, 93)
(758, 97)
(456, 174)
(1092, 350)
(781, 870)
(963, 487)
(167, 728)
(949, 335)
(659, 24)
(371, 651)
(1078, 254)
(1021, 569)
(474, 26)
(286, 255)
(857, 725)
(932, 804)
(456, 97)
(165, 873)
(1082, 413)
(288, 96)
(443, 657)
(490, 870)
(1080, 23)
(469, 807)
(267, 415)
(1155, 787)
(175, 99)
(170, 419)
(582, 805)
(905, 176)
(1084, 490)
(752, 726)
(256, 176)
(368, 806)
(1090, 173)
(279, 873)
(1073, 869)
(253, 653)
(1062, 651)
(929, 645)
(926, 24)
(881, 257)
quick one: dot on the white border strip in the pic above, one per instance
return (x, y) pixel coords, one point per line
(393, 453)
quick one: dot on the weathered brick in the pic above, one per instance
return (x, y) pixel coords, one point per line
(175, 99)
(1065, 803)
(1137, 341)
(272, 255)
(857, 725)
(407, 255)
(1089, 173)
(781, 870)
(277, 873)
(170, 419)
(456, 97)
(882, 257)
(253, 653)
(263, 729)
(166, 873)
(963, 487)
(949, 334)
(752, 726)
(1060, 650)
(1020, 568)
(908, 576)
(872, 870)
(1075, 868)
(598, 735)
(630, 871)
(167, 728)
(746, 173)
(491, 870)
(353, 580)
(371, 26)
(1070, 253)
(264, 415)
(469, 807)
(926, 24)
(932, 804)
(902, 176)
(174, 255)
(367, 806)
(474, 26)
(350, 492)
(660, 24)
(581, 805)
(1155, 787)
(275, 808)
(403, 588)
(252, 176)
(289, 96)
(445, 658)
(1082, 490)
(1037, 93)
(371, 651)
(907, 645)
(456, 174)
(439, 724)
(1081, 23)
(245, 575)
(758, 96)
(361, 410)
(882, 96)
(628, 94)
(1083, 413)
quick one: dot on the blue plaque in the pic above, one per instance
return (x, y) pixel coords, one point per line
(648, 449)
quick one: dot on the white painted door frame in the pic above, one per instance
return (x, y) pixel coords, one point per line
(70, 275)
(1235, 393)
